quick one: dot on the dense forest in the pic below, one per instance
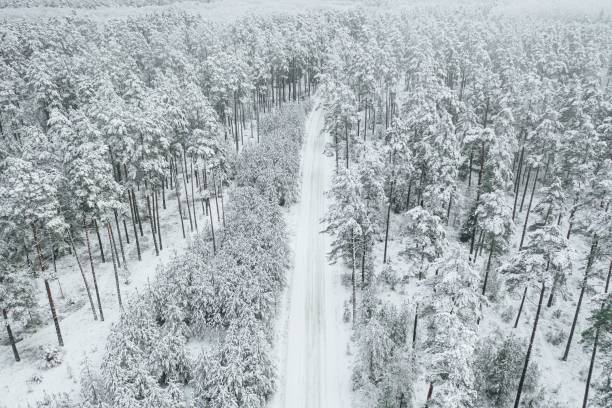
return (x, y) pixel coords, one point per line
(88, 4)
(470, 200)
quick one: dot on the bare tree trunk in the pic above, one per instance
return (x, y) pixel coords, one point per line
(353, 281)
(216, 197)
(551, 296)
(109, 229)
(152, 228)
(58, 332)
(525, 189)
(222, 204)
(594, 352)
(180, 208)
(159, 236)
(113, 245)
(212, 228)
(533, 332)
(387, 223)
(99, 240)
(582, 289)
(137, 213)
(590, 374)
(470, 168)
(414, 327)
(10, 336)
(132, 215)
(186, 193)
(363, 252)
(120, 239)
(93, 272)
(163, 193)
(59, 284)
(125, 229)
(486, 278)
(535, 182)
(518, 315)
(76, 256)
(193, 202)
(347, 143)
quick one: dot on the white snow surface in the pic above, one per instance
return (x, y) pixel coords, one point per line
(84, 337)
(313, 339)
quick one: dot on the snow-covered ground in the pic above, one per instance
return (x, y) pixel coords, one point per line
(25, 382)
(313, 360)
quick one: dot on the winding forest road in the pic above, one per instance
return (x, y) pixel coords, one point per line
(315, 372)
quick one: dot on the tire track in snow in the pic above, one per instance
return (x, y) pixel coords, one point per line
(315, 371)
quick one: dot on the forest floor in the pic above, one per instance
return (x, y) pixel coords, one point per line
(24, 383)
(563, 380)
(312, 339)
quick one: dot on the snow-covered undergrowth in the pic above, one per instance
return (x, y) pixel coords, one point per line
(471, 194)
(475, 195)
(222, 294)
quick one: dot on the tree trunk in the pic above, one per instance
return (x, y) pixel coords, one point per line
(486, 278)
(195, 216)
(608, 278)
(99, 240)
(152, 228)
(133, 216)
(186, 193)
(582, 289)
(163, 194)
(525, 189)
(10, 336)
(137, 213)
(109, 229)
(363, 252)
(535, 182)
(180, 208)
(212, 228)
(470, 168)
(125, 230)
(533, 333)
(594, 352)
(236, 122)
(590, 374)
(58, 332)
(93, 272)
(59, 284)
(414, 327)
(76, 256)
(365, 120)
(336, 150)
(518, 315)
(517, 182)
(120, 239)
(479, 244)
(216, 197)
(429, 392)
(347, 143)
(553, 289)
(353, 280)
(387, 223)
(113, 245)
(159, 236)
(222, 204)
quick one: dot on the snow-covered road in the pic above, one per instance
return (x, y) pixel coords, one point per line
(314, 368)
